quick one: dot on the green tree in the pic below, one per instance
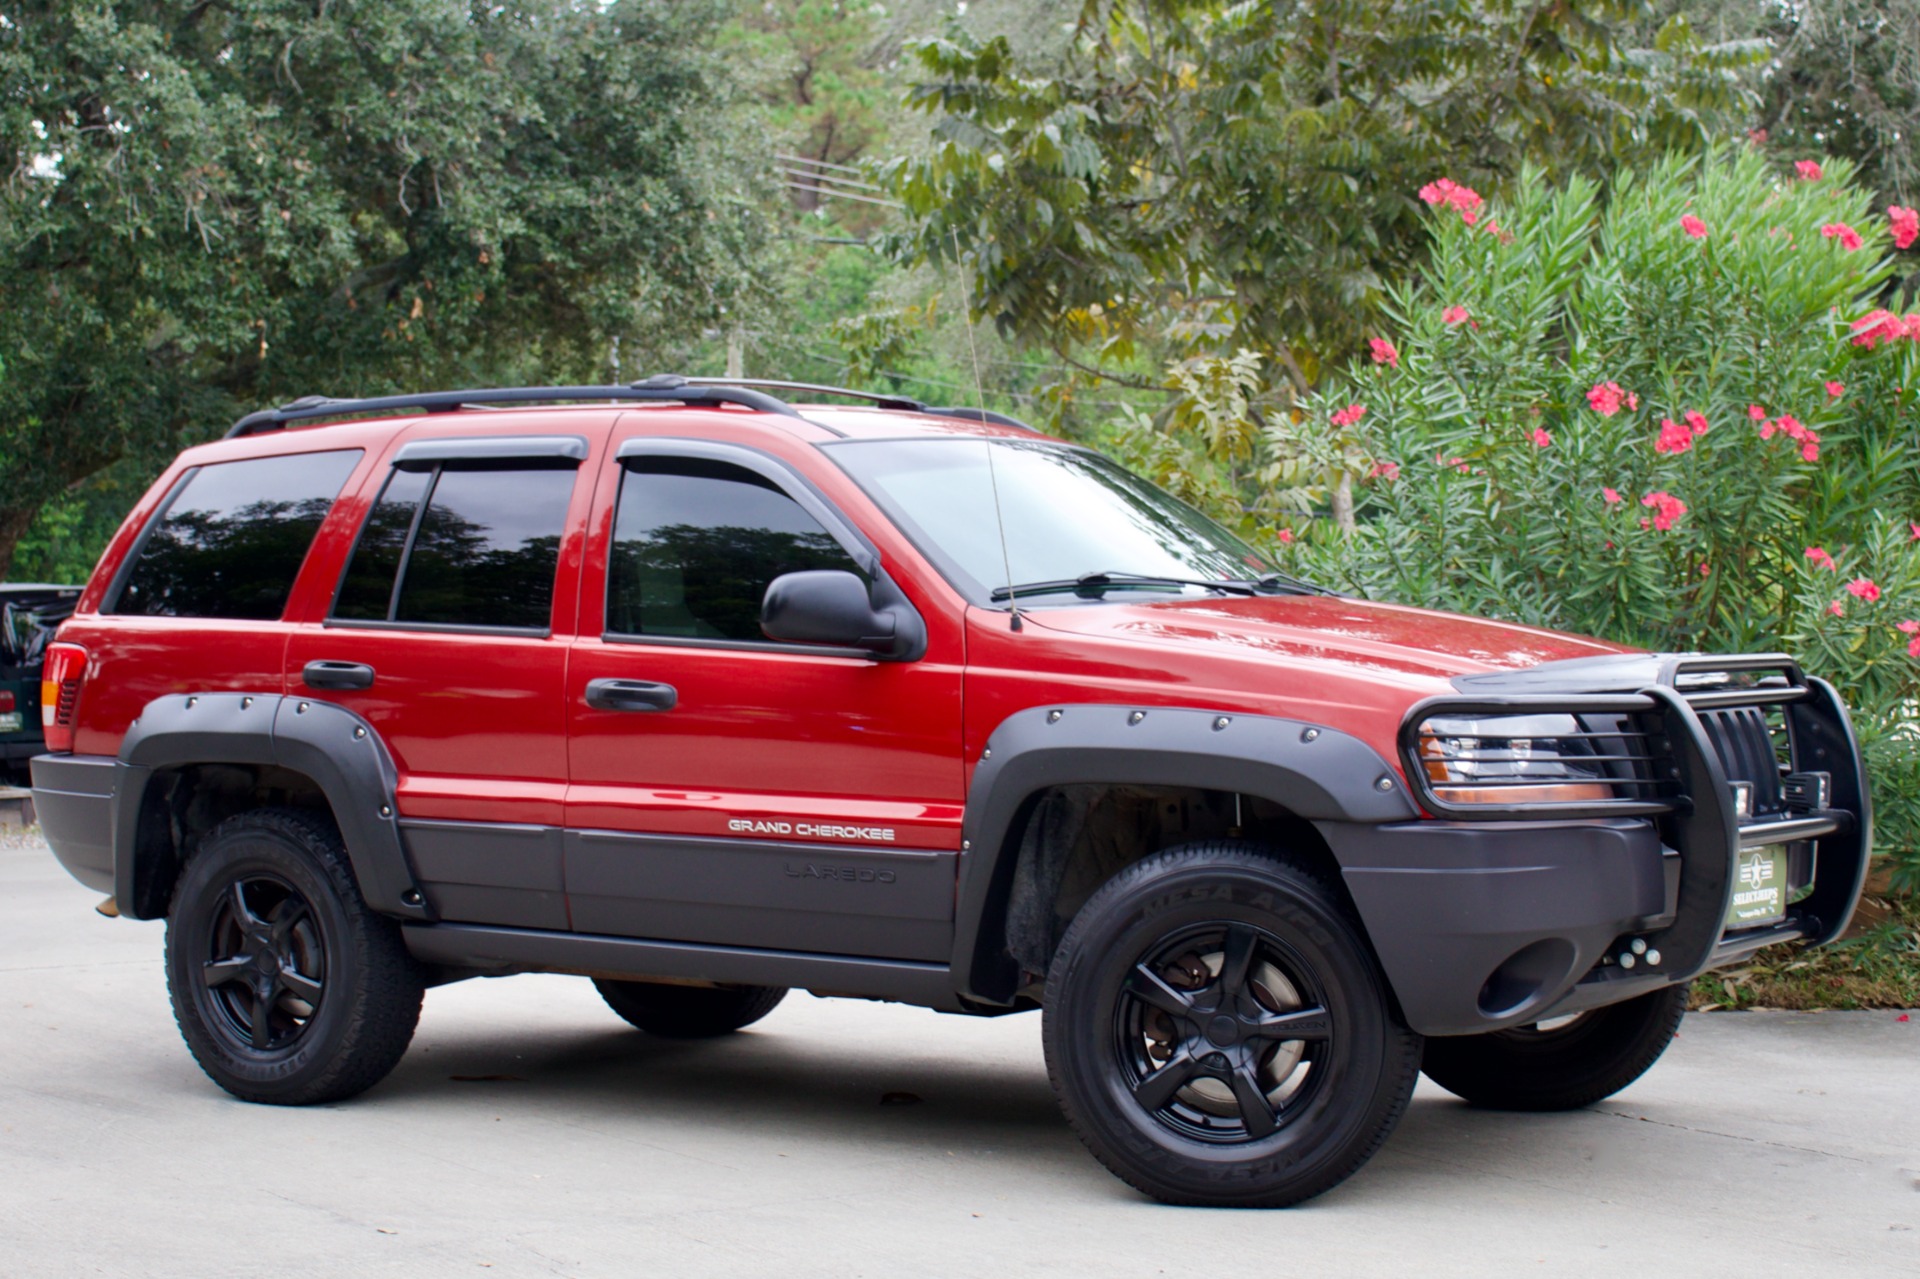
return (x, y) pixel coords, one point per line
(1225, 176)
(215, 205)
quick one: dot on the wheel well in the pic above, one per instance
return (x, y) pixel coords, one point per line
(1072, 839)
(182, 804)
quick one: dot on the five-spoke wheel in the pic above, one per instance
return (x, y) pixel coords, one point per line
(1218, 1032)
(287, 988)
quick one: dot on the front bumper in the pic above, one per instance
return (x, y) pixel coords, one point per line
(1481, 925)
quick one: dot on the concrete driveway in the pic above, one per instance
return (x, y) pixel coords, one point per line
(529, 1132)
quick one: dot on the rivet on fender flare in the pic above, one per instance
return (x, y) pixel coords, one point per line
(301, 709)
(386, 810)
(359, 733)
(1385, 783)
(1221, 723)
(1308, 734)
(1053, 717)
(986, 754)
(1136, 717)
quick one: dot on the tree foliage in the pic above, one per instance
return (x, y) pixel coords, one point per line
(213, 205)
(1242, 175)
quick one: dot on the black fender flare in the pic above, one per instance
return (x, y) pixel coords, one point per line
(1318, 773)
(336, 748)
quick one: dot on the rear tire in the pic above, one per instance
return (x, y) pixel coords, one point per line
(689, 1012)
(288, 989)
(1218, 1033)
(1590, 1058)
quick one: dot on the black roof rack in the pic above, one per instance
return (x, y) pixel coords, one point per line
(660, 387)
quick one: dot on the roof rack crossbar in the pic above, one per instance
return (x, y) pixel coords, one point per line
(663, 387)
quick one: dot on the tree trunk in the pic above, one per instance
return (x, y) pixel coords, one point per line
(14, 523)
(736, 353)
(1343, 502)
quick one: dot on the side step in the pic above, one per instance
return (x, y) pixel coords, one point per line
(530, 950)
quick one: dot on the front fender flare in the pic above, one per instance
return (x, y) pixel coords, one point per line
(336, 748)
(1318, 773)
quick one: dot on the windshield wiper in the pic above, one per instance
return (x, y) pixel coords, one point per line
(1283, 582)
(1099, 583)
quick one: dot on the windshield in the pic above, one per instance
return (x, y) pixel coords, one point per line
(1076, 524)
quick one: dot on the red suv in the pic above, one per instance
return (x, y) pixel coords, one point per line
(708, 697)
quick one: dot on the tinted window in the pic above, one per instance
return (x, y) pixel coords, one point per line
(231, 542)
(367, 592)
(483, 553)
(695, 545)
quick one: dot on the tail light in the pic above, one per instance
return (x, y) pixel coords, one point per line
(6, 701)
(60, 678)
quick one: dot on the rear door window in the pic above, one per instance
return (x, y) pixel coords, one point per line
(231, 540)
(460, 547)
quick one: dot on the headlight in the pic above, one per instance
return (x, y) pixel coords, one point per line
(1513, 759)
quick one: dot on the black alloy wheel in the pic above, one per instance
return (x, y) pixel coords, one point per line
(1218, 1032)
(266, 973)
(287, 988)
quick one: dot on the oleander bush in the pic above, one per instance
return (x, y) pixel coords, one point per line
(1682, 416)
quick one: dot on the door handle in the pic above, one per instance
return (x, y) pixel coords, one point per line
(337, 675)
(630, 695)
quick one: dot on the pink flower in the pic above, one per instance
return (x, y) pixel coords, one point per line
(1808, 169)
(1349, 415)
(1757, 136)
(1542, 439)
(1286, 535)
(1908, 627)
(1757, 413)
(1876, 327)
(1820, 558)
(1693, 226)
(1455, 315)
(1633, 400)
(1605, 398)
(1706, 570)
(1836, 389)
(1767, 430)
(1388, 471)
(1838, 608)
(1848, 237)
(1913, 650)
(1810, 451)
(1674, 438)
(1384, 352)
(1696, 421)
(1447, 193)
(1904, 224)
(1916, 532)
(1666, 509)
(1612, 498)
(1863, 588)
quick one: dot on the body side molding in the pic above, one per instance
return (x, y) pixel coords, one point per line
(1318, 773)
(336, 748)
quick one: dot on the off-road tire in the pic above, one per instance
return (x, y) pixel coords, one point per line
(689, 1012)
(369, 988)
(1563, 1068)
(1103, 1013)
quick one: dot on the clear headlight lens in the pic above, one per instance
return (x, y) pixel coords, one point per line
(1512, 759)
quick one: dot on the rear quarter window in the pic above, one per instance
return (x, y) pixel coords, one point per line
(231, 539)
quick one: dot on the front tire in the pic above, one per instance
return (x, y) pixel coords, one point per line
(1564, 1067)
(1218, 1033)
(688, 1012)
(287, 988)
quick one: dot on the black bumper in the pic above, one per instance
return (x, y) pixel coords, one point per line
(1481, 925)
(73, 795)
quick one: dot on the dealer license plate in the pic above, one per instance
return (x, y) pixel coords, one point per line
(10, 722)
(1759, 887)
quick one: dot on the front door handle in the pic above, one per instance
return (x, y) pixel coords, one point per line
(337, 675)
(630, 695)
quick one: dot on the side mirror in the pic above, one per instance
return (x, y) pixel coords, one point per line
(831, 606)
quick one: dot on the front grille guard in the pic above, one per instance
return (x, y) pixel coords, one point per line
(1677, 780)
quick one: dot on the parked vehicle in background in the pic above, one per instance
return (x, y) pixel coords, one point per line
(707, 697)
(29, 612)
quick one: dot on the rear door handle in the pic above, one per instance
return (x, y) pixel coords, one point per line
(631, 695)
(337, 675)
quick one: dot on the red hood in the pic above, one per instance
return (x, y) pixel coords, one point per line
(1386, 638)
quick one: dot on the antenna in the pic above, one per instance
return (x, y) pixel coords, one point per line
(980, 403)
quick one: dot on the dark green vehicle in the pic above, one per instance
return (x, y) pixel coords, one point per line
(29, 612)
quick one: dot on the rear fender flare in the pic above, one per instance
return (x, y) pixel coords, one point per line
(337, 749)
(1317, 773)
